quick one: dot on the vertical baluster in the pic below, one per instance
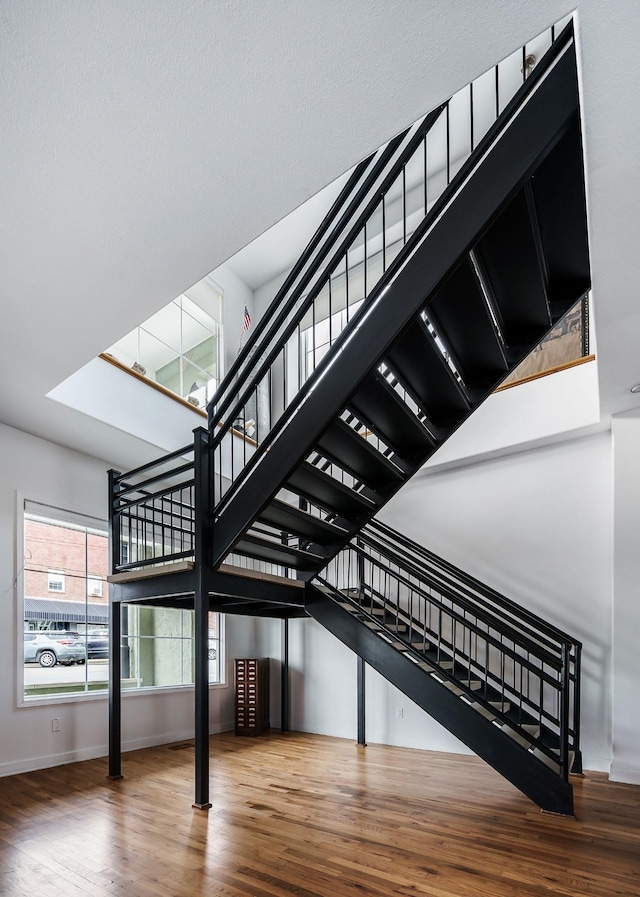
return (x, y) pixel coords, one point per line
(269, 394)
(313, 333)
(162, 526)
(365, 262)
(384, 236)
(540, 695)
(448, 145)
(502, 672)
(346, 283)
(285, 375)
(330, 311)
(471, 115)
(520, 691)
(404, 205)
(426, 176)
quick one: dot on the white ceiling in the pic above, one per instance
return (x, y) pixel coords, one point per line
(143, 143)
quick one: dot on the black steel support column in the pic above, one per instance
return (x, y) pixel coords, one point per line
(115, 659)
(361, 702)
(361, 685)
(202, 461)
(115, 692)
(284, 694)
(576, 769)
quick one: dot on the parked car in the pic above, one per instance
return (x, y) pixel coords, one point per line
(49, 647)
(98, 644)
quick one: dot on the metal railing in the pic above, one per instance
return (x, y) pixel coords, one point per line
(368, 231)
(524, 672)
(152, 512)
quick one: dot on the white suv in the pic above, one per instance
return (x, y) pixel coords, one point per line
(50, 646)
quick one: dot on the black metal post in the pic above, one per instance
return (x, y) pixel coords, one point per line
(201, 613)
(564, 711)
(284, 695)
(114, 523)
(576, 768)
(115, 660)
(115, 692)
(361, 704)
(361, 676)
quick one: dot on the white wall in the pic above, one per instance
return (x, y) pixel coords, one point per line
(265, 294)
(626, 606)
(49, 473)
(543, 409)
(236, 295)
(536, 525)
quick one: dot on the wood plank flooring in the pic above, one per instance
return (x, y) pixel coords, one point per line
(309, 816)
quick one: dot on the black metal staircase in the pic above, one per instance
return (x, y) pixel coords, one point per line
(410, 305)
(491, 267)
(502, 680)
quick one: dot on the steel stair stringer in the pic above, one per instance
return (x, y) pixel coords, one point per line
(389, 328)
(525, 771)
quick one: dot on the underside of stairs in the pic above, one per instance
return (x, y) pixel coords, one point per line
(503, 682)
(495, 264)
(438, 318)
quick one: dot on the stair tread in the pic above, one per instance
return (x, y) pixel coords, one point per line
(380, 407)
(460, 314)
(419, 363)
(508, 255)
(552, 764)
(322, 489)
(298, 522)
(518, 737)
(273, 552)
(347, 448)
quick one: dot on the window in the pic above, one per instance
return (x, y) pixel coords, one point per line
(180, 347)
(55, 581)
(158, 647)
(65, 648)
(94, 586)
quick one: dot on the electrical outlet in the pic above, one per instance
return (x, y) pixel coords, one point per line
(55, 725)
(399, 712)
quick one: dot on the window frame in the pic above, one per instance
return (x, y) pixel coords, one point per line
(54, 576)
(92, 583)
(24, 702)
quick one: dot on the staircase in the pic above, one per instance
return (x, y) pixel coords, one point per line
(492, 264)
(440, 266)
(505, 682)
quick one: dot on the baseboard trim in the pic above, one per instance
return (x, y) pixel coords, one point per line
(630, 775)
(47, 761)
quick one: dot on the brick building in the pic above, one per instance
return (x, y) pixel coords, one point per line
(65, 570)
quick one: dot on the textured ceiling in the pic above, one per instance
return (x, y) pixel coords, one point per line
(143, 143)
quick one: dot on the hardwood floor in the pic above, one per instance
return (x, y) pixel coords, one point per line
(306, 815)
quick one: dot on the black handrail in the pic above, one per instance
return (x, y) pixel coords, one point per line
(508, 631)
(281, 308)
(157, 462)
(274, 307)
(412, 550)
(248, 388)
(390, 581)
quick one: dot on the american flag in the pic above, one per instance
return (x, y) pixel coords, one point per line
(246, 320)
